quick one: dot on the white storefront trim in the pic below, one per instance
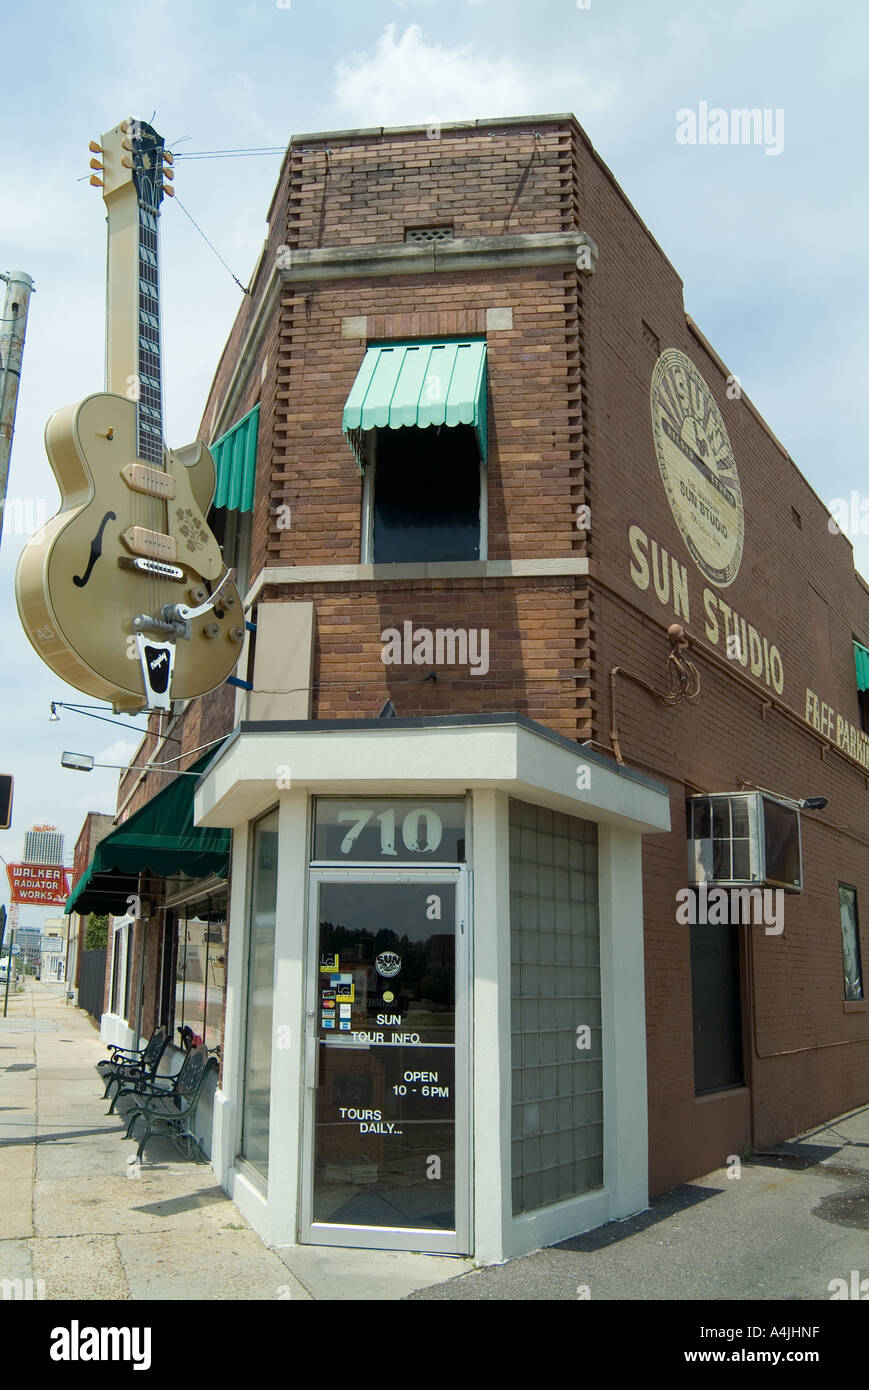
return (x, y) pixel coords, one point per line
(493, 760)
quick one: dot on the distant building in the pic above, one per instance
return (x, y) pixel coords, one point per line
(95, 828)
(43, 844)
(30, 941)
(53, 946)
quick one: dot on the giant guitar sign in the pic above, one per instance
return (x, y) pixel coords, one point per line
(124, 593)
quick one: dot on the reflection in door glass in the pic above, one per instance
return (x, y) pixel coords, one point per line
(385, 1102)
(260, 988)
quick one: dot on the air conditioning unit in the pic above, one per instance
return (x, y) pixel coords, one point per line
(744, 839)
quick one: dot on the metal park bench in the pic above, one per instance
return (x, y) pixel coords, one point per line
(174, 1107)
(126, 1065)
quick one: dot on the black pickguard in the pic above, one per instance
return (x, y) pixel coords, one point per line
(96, 551)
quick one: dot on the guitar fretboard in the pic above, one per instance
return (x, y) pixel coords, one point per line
(149, 411)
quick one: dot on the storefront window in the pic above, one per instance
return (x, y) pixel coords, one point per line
(128, 970)
(200, 970)
(260, 985)
(116, 970)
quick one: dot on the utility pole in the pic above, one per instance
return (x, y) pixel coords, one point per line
(19, 288)
(8, 957)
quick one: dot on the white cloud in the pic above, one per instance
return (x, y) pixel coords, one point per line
(118, 753)
(408, 79)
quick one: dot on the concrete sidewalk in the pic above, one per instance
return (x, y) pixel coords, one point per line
(73, 1217)
(783, 1227)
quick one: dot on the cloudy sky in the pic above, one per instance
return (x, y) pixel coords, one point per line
(771, 247)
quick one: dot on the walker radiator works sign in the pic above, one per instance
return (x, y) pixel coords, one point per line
(38, 883)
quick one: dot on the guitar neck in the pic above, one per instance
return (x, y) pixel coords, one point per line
(133, 359)
(149, 408)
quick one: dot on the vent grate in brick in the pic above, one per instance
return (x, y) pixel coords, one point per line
(428, 234)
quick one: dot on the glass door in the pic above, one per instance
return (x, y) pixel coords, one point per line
(387, 1138)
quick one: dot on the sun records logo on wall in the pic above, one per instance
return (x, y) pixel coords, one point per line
(697, 466)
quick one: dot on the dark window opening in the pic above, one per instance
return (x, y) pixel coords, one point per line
(232, 529)
(426, 504)
(715, 991)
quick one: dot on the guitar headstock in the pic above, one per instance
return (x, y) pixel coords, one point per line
(132, 157)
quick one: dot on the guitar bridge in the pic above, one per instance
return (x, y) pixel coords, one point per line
(155, 567)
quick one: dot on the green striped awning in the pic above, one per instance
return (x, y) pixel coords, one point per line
(861, 656)
(159, 837)
(234, 455)
(436, 382)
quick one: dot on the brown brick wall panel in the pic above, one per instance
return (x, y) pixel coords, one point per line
(569, 423)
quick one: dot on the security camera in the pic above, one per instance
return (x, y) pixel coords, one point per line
(813, 803)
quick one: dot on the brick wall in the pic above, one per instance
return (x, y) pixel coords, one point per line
(570, 423)
(807, 1057)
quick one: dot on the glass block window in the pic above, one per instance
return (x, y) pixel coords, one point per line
(557, 1105)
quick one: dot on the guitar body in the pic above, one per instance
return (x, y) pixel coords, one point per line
(76, 588)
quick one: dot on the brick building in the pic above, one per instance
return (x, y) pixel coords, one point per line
(479, 473)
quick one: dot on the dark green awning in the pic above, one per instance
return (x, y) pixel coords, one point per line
(234, 455)
(161, 838)
(861, 656)
(438, 382)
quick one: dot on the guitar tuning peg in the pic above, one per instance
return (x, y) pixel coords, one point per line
(169, 190)
(168, 157)
(169, 174)
(126, 161)
(126, 143)
(96, 181)
(95, 148)
(95, 164)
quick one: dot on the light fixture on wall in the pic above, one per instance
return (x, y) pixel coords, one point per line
(805, 803)
(84, 762)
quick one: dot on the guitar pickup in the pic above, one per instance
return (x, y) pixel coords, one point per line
(154, 482)
(159, 568)
(152, 545)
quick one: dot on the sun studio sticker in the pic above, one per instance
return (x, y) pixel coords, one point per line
(388, 964)
(697, 466)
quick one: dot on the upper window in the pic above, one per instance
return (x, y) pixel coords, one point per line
(422, 496)
(861, 659)
(234, 455)
(416, 418)
(232, 531)
(850, 942)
